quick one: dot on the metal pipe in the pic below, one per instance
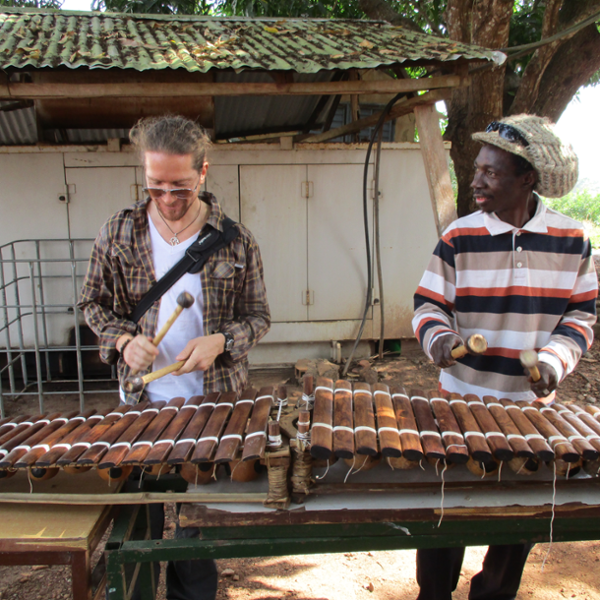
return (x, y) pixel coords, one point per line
(36, 341)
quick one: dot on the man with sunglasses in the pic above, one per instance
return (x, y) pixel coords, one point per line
(230, 314)
(522, 275)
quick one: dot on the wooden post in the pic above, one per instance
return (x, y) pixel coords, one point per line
(436, 166)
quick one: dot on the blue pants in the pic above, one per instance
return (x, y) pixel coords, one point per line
(438, 571)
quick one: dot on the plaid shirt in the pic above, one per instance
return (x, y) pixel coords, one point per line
(121, 271)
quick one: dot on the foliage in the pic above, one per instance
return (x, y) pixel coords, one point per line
(32, 3)
(163, 7)
(583, 206)
(579, 204)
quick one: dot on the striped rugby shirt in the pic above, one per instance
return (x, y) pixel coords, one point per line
(533, 287)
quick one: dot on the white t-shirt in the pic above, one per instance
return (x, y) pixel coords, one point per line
(189, 324)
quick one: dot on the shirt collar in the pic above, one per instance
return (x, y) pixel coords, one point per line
(537, 223)
(217, 215)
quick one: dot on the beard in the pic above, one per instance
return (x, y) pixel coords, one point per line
(175, 212)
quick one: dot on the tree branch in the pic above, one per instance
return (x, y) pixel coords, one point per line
(529, 89)
(530, 83)
(570, 68)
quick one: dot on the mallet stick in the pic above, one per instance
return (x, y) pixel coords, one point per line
(529, 359)
(184, 300)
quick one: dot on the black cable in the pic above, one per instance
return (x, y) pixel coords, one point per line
(380, 122)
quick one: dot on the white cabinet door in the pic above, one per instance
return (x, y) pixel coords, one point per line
(222, 182)
(99, 192)
(31, 185)
(337, 264)
(274, 209)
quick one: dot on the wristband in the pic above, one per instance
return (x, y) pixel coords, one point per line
(124, 345)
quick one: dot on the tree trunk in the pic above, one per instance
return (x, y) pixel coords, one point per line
(380, 10)
(473, 109)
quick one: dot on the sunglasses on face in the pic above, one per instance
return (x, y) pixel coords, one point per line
(179, 193)
(507, 132)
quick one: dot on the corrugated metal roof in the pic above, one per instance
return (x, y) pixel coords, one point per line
(38, 38)
(235, 115)
(17, 126)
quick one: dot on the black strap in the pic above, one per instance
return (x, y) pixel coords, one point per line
(195, 258)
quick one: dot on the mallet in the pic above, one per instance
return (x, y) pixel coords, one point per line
(184, 300)
(529, 359)
(136, 384)
(476, 344)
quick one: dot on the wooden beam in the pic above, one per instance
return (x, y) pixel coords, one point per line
(436, 166)
(130, 498)
(35, 91)
(398, 110)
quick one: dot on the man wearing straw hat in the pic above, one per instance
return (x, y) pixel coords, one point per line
(522, 275)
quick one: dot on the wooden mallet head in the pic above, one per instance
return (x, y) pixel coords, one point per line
(529, 359)
(184, 300)
(476, 345)
(136, 384)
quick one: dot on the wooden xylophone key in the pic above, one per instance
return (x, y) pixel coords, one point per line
(50, 458)
(537, 442)
(33, 435)
(560, 444)
(407, 425)
(23, 430)
(365, 434)
(303, 428)
(67, 456)
(186, 443)
(590, 434)
(142, 446)
(584, 416)
(494, 435)
(513, 434)
(563, 448)
(104, 439)
(322, 421)
(580, 444)
(431, 438)
(118, 450)
(5, 420)
(44, 445)
(165, 443)
(452, 437)
(209, 439)
(308, 393)
(343, 429)
(594, 411)
(387, 426)
(255, 441)
(231, 440)
(478, 447)
(10, 424)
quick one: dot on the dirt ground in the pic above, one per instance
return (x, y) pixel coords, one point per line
(571, 569)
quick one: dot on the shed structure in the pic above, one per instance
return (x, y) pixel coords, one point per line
(285, 162)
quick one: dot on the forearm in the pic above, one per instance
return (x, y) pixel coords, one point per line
(111, 329)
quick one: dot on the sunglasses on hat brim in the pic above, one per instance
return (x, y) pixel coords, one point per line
(507, 132)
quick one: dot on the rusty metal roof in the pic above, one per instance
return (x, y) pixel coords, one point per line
(33, 39)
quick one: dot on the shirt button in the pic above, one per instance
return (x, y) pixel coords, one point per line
(518, 233)
(519, 249)
(519, 265)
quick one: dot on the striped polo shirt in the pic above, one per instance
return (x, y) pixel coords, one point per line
(533, 287)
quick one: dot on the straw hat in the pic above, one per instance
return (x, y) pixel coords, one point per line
(555, 163)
